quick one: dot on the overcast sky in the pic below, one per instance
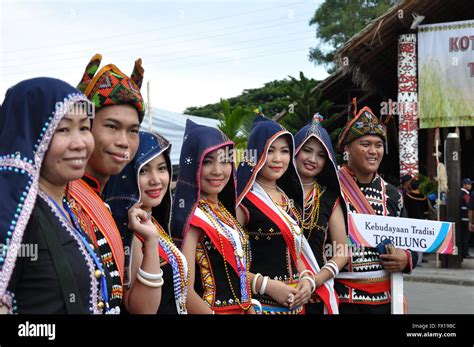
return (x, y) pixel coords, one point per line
(193, 52)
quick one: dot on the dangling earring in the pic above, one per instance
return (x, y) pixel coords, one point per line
(345, 156)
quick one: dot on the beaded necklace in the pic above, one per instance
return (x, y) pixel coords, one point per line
(180, 274)
(312, 208)
(266, 185)
(80, 233)
(296, 232)
(221, 220)
(288, 207)
(286, 204)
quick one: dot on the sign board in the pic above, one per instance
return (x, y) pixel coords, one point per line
(415, 234)
(446, 74)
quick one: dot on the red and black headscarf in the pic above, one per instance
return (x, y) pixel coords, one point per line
(110, 86)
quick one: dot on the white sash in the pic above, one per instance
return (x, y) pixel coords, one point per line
(302, 244)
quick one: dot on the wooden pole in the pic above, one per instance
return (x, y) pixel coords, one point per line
(437, 172)
(407, 99)
(438, 199)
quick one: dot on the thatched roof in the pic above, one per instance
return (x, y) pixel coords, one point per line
(372, 53)
(372, 56)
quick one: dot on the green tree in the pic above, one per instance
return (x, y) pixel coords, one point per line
(337, 21)
(289, 94)
(231, 122)
(272, 96)
(306, 104)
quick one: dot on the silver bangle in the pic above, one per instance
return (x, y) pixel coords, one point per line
(150, 276)
(254, 283)
(313, 283)
(330, 269)
(307, 271)
(334, 266)
(149, 283)
(264, 285)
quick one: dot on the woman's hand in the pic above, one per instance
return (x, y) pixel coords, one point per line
(303, 295)
(139, 222)
(281, 292)
(251, 310)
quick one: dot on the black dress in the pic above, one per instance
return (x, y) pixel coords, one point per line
(270, 254)
(416, 205)
(35, 283)
(168, 294)
(318, 239)
(214, 283)
(167, 303)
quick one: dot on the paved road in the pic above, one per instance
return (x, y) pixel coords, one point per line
(436, 298)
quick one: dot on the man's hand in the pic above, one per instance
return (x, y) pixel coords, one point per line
(395, 262)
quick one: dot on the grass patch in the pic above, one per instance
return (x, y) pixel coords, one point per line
(441, 104)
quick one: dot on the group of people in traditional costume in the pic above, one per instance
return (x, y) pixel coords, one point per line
(83, 183)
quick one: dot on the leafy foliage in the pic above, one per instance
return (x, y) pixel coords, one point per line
(337, 21)
(427, 185)
(307, 104)
(272, 97)
(294, 95)
(232, 122)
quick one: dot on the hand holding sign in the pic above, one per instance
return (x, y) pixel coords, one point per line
(415, 234)
(396, 261)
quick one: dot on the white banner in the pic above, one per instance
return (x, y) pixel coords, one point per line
(446, 74)
(416, 234)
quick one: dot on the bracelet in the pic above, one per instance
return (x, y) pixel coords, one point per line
(329, 268)
(313, 283)
(256, 305)
(254, 283)
(333, 266)
(311, 273)
(149, 276)
(148, 283)
(264, 285)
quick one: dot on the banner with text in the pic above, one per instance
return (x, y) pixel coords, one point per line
(416, 234)
(446, 74)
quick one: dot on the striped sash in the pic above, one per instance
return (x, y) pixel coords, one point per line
(373, 281)
(352, 192)
(95, 208)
